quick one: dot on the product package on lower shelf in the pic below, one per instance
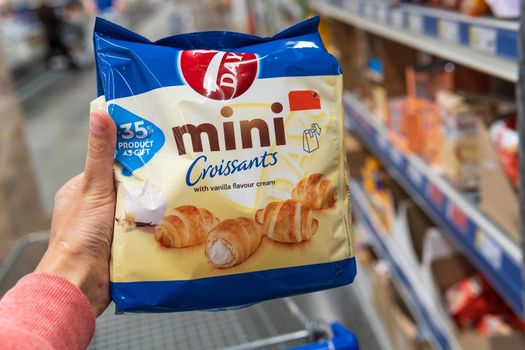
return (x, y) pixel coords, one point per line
(399, 324)
(499, 198)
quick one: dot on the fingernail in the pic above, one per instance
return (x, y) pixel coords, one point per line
(97, 123)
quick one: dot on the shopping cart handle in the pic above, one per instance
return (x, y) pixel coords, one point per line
(343, 340)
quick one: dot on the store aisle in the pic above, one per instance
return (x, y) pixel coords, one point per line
(57, 118)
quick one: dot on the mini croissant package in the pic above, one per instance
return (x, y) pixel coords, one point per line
(229, 167)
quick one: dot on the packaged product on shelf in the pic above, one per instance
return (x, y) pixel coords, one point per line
(468, 298)
(459, 149)
(499, 199)
(506, 140)
(414, 127)
(230, 167)
(473, 304)
(424, 81)
(375, 186)
(423, 129)
(396, 122)
(474, 7)
(378, 94)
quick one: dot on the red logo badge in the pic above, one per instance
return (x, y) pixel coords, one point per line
(218, 75)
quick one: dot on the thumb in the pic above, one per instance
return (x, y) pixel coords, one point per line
(98, 172)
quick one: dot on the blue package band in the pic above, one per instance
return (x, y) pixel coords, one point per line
(230, 291)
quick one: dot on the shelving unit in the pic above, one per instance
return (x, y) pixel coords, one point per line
(487, 45)
(490, 250)
(430, 319)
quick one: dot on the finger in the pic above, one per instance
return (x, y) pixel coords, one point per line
(98, 173)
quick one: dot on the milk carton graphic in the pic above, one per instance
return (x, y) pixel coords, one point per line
(311, 138)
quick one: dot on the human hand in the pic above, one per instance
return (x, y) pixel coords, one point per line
(83, 217)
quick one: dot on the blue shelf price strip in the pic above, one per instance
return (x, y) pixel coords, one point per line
(492, 39)
(505, 274)
(438, 334)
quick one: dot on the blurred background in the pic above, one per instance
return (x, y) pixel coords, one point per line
(433, 100)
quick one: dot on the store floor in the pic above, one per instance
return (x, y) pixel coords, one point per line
(57, 124)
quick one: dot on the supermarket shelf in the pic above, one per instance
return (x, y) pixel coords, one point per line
(429, 318)
(486, 45)
(362, 287)
(489, 249)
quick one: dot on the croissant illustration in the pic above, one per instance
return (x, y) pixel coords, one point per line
(185, 226)
(315, 191)
(290, 221)
(232, 241)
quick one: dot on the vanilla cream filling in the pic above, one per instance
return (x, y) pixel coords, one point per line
(219, 253)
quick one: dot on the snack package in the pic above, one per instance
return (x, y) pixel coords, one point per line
(506, 139)
(467, 301)
(230, 170)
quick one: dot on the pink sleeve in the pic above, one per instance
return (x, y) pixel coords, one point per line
(44, 311)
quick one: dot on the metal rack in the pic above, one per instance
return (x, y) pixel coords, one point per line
(452, 36)
(249, 328)
(493, 253)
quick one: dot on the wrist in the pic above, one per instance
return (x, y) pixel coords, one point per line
(60, 264)
(87, 273)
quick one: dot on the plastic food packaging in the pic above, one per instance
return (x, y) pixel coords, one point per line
(230, 169)
(414, 127)
(473, 303)
(459, 150)
(506, 139)
(375, 184)
(474, 7)
(467, 301)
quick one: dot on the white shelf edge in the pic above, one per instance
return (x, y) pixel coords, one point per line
(508, 24)
(448, 190)
(505, 69)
